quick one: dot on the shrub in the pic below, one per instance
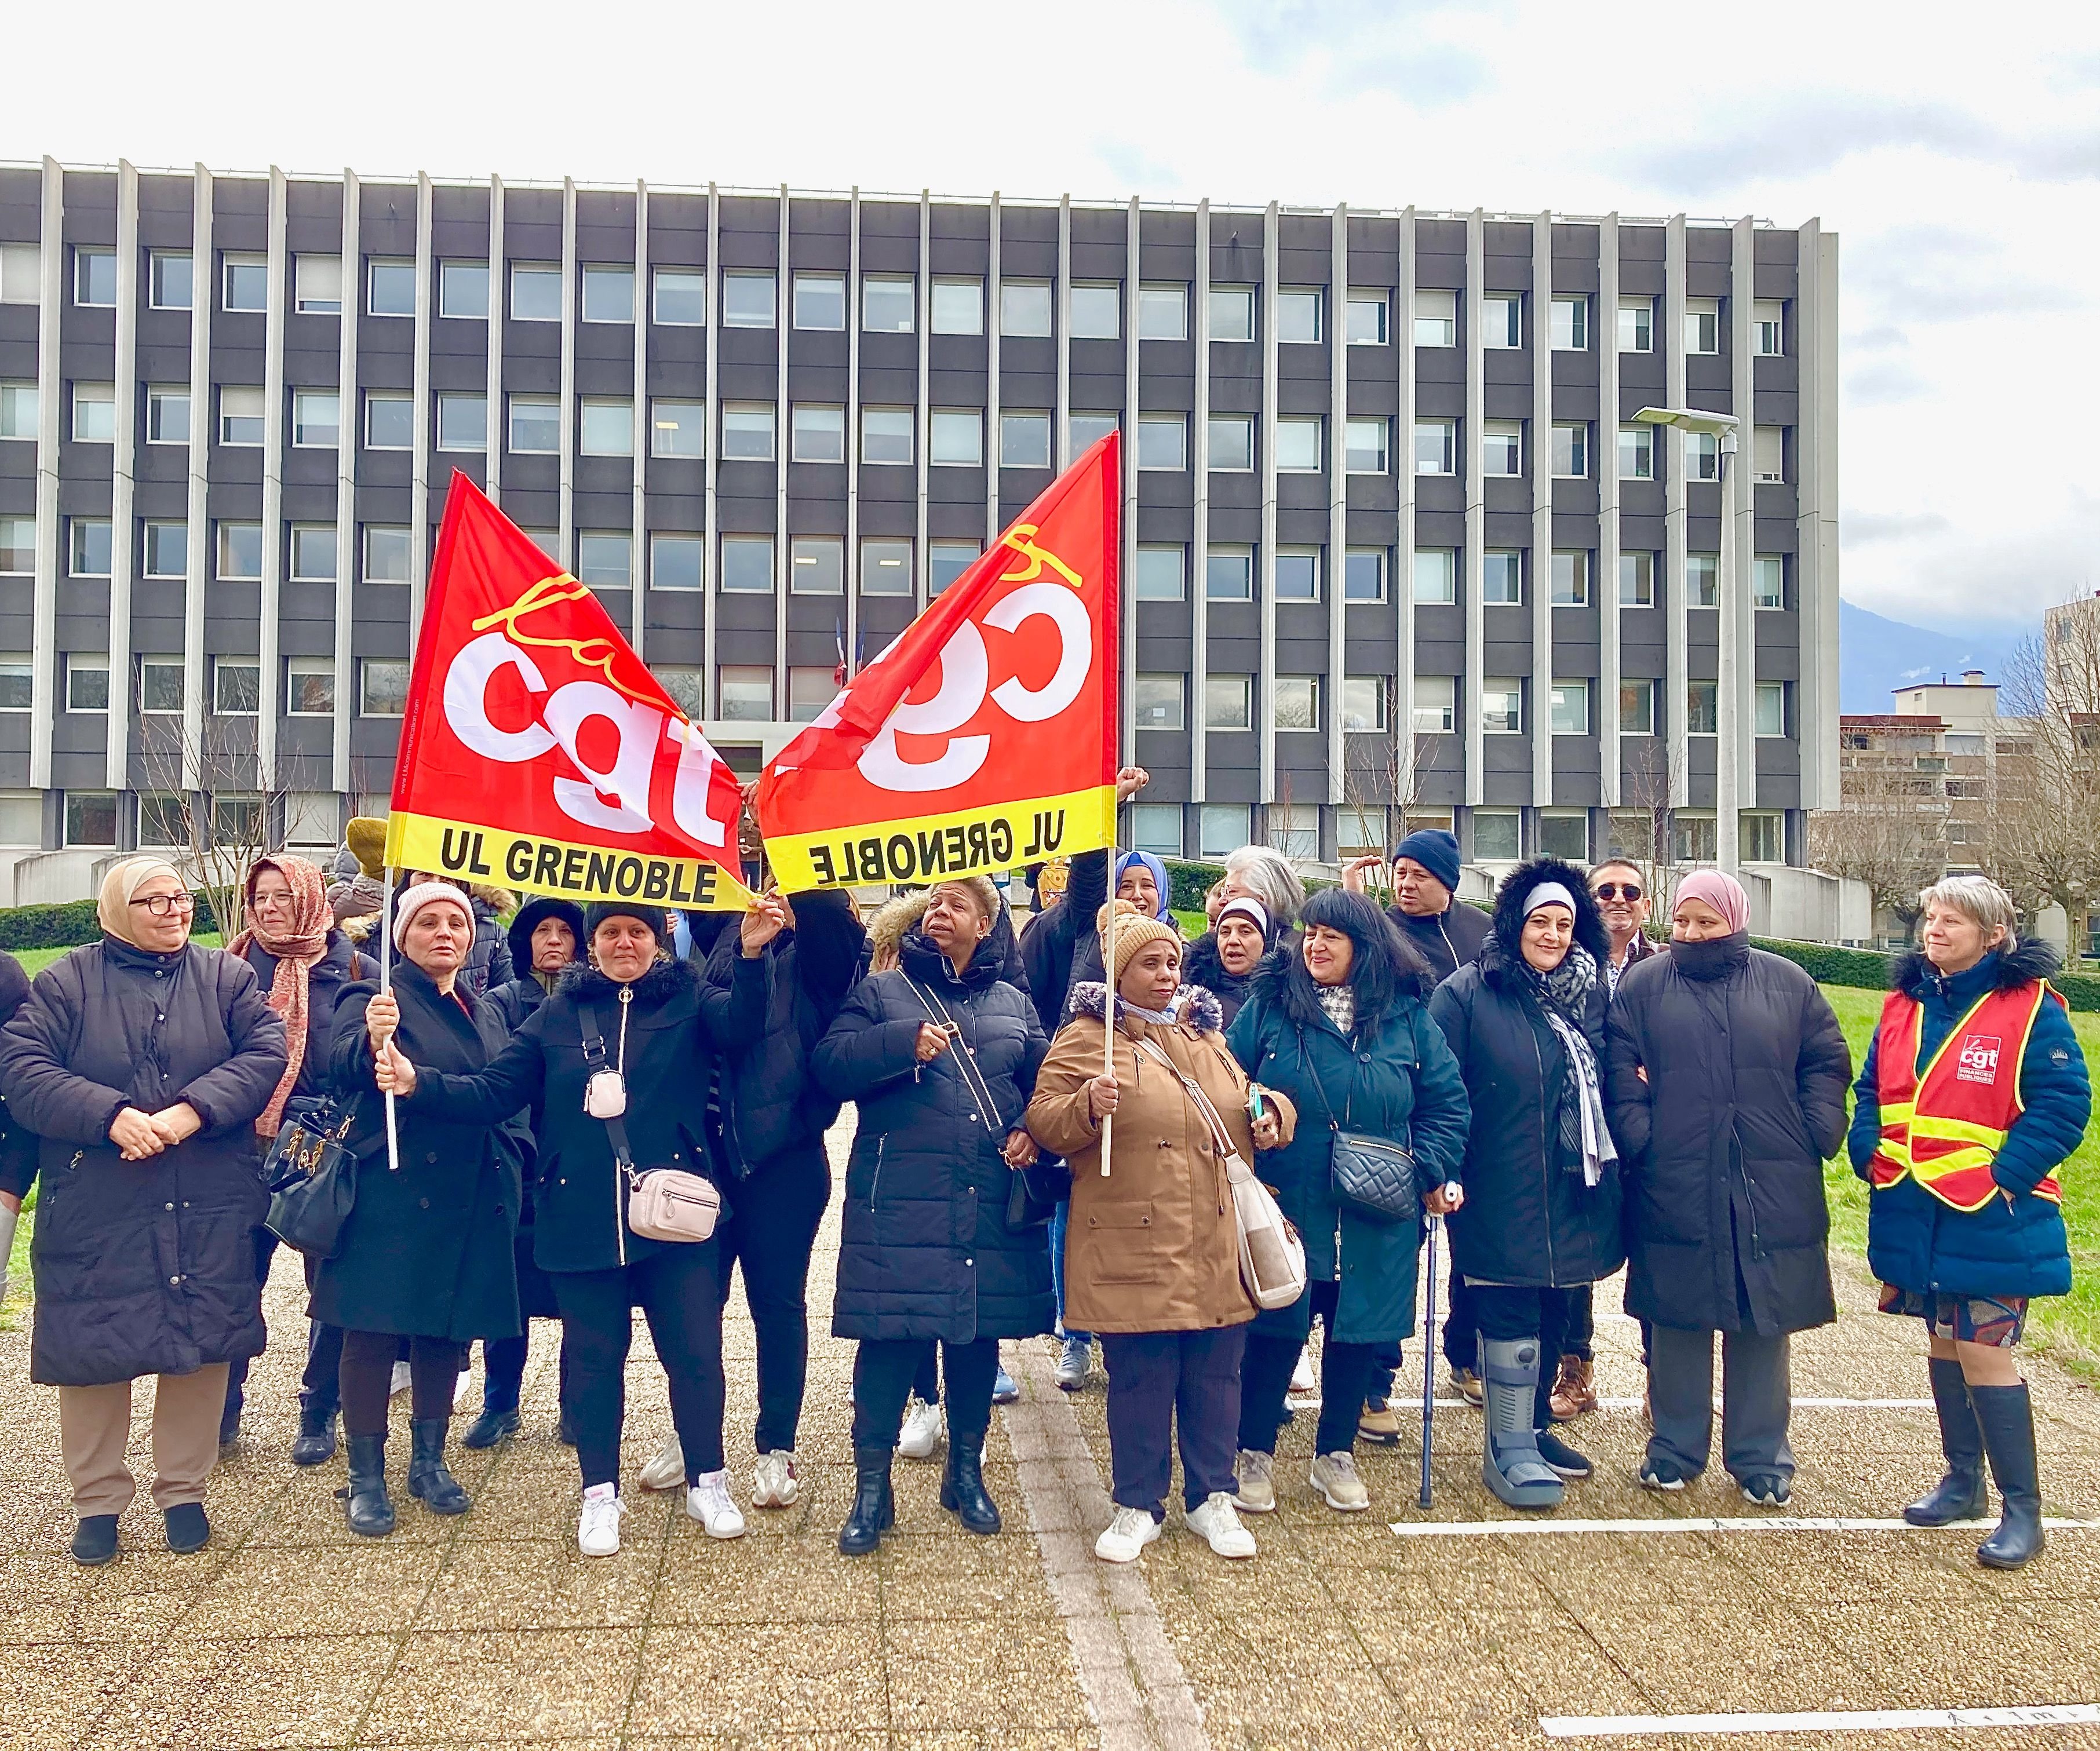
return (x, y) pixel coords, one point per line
(72, 923)
(1867, 969)
(1190, 882)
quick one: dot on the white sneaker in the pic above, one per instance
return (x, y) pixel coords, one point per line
(1302, 1382)
(1334, 1476)
(597, 1527)
(401, 1381)
(1129, 1534)
(920, 1436)
(1257, 1474)
(773, 1481)
(461, 1387)
(1217, 1524)
(709, 1502)
(667, 1471)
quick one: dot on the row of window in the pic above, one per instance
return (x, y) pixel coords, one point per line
(160, 685)
(888, 302)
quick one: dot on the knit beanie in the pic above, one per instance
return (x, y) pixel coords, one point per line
(1435, 850)
(422, 894)
(651, 915)
(366, 837)
(1133, 930)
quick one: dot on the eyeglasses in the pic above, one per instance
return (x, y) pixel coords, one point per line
(160, 905)
(1618, 890)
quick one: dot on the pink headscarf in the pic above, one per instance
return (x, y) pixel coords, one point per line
(1720, 890)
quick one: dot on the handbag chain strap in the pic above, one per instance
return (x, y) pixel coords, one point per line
(973, 1075)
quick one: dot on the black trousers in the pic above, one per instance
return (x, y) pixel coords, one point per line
(503, 1363)
(1462, 1327)
(236, 1370)
(1347, 1373)
(678, 1288)
(1578, 1335)
(1158, 1380)
(883, 1371)
(771, 1234)
(368, 1378)
(1506, 1312)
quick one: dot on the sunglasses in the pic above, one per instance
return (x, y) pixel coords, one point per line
(1618, 890)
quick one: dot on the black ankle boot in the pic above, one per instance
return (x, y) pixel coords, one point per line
(491, 1427)
(1961, 1495)
(2006, 1416)
(429, 1481)
(961, 1489)
(366, 1504)
(316, 1442)
(874, 1510)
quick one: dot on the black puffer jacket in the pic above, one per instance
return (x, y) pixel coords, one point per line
(925, 1250)
(1062, 944)
(145, 1267)
(489, 964)
(1449, 940)
(1528, 1217)
(1722, 1143)
(18, 1143)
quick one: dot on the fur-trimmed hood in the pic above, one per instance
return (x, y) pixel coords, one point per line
(1915, 976)
(1193, 1005)
(583, 983)
(527, 921)
(1504, 948)
(886, 929)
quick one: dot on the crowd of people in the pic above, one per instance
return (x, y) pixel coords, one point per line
(600, 1109)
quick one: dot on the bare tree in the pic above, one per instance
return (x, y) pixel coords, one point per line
(1646, 808)
(1886, 838)
(1384, 772)
(2043, 842)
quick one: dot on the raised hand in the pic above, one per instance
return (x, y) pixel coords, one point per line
(1130, 781)
(763, 920)
(1354, 871)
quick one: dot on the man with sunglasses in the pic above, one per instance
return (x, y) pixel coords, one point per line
(1623, 897)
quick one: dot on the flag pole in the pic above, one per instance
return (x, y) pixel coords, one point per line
(385, 987)
(1108, 1009)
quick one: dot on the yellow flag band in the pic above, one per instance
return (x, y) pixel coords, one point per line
(473, 853)
(968, 842)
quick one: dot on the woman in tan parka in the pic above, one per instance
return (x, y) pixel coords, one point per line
(1152, 1253)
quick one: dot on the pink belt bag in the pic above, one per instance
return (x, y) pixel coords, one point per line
(662, 1203)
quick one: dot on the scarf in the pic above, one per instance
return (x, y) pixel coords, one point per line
(1560, 996)
(119, 887)
(295, 951)
(1339, 1003)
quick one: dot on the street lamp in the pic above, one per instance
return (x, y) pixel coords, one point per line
(1734, 641)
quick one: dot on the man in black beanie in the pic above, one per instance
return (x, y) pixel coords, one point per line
(1425, 881)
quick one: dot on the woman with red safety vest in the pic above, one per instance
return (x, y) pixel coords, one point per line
(1974, 1091)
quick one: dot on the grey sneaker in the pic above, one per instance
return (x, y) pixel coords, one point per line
(1074, 1364)
(1257, 1475)
(1334, 1476)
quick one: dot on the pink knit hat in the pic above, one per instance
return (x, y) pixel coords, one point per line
(422, 894)
(1720, 890)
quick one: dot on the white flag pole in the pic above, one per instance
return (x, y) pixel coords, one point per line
(1107, 1010)
(385, 987)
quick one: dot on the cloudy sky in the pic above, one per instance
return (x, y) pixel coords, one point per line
(1956, 152)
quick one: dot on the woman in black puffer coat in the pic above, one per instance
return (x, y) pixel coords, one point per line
(1526, 1023)
(926, 1252)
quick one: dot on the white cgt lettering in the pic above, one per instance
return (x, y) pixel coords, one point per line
(1075, 650)
(965, 673)
(692, 783)
(568, 708)
(466, 700)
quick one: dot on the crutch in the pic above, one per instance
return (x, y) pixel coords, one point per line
(1429, 1352)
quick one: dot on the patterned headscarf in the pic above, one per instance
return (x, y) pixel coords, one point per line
(295, 949)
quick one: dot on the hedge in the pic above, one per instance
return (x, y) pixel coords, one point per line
(68, 924)
(1867, 969)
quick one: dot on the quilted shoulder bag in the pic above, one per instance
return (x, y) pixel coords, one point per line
(312, 1176)
(662, 1203)
(1374, 1177)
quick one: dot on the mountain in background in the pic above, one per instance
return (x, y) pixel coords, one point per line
(1877, 655)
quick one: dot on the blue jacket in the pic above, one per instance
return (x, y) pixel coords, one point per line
(2014, 1245)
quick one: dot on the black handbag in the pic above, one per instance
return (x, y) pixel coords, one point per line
(312, 1176)
(1374, 1177)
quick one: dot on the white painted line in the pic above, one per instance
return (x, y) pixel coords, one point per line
(1693, 1524)
(1828, 1721)
(1400, 1403)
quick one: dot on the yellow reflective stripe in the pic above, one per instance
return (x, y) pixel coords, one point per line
(1953, 1034)
(1959, 1130)
(1955, 1161)
(1898, 1112)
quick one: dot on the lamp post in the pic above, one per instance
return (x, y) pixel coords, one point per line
(1727, 775)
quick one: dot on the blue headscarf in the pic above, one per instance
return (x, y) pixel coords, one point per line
(1159, 882)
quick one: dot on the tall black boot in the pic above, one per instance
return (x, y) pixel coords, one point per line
(366, 1504)
(2006, 1415)
(429, 1481)
(962, 1487)
(1961, 1495)
(316, 1442)
(874, 1510)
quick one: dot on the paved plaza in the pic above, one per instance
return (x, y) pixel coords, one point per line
(490, 1629)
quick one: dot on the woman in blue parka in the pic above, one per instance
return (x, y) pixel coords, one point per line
(1974, 1093)
(1339, 1022)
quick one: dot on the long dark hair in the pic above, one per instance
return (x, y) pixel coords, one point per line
(1385, 967)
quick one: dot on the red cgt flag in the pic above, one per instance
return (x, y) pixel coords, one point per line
(538, 751)
(985, 737)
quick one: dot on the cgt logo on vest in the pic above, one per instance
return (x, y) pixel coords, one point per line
(1977, 1062)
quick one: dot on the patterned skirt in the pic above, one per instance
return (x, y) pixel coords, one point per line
(1994, 1321)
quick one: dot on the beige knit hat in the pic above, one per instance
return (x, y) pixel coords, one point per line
(1134, 929)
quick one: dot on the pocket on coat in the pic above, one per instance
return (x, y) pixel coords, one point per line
(1119, 1244)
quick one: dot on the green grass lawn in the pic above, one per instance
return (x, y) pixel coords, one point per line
(34, 960)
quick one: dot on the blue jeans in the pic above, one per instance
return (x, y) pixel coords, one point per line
(1060, 1216)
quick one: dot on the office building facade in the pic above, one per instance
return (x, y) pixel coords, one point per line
(1394, 545)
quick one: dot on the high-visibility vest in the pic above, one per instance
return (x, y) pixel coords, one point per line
(1943, 1124)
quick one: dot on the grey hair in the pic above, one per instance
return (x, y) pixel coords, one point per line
(1274, 883)
(1979, 898)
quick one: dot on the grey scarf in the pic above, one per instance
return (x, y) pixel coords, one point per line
(1561, 995)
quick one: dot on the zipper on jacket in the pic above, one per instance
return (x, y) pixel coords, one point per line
(619, 1209)
(1545, 1158)
(874, 1184)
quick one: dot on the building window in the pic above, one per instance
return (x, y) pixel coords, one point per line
(1768, 702)
(240, 551)
(1435, 447)
(462, 421)
(1298, 574)
(685, 683)
(1162, 314)
(1571, 577)
(680, 297)
(1369, 314)
(677, 429)
(313, 552)
(1502, 705)
(18, 546)
(382, 687)
(463, 289)
(810, 690)
(236, 687)
(608, 292)
(317, 284)
(1571, 324)
(1570, 710)
(1024, 440)
(1162, 572)
(1297, 701)
(1768, 581)
(887, 436)
(236, 818)
(886, 567)
(1636, 324)
(1702, 325)
(310, 687)
(1435, 704)
(956, 439)
(1702, 708)
(1024, 308)
(816, 565)
(1637, 708)
(90, 819)
(1502, 576)
(94, 413)
(390, 291)
(169, 281)
(1502, 320)
(747, 432)
(747, 299)
(819, 433)
(1156, 828)
(86, 682)
(1156, 703)
(535, 425)
(1363, 575)
(1571, 450)
(675, 561)
(820, 301)
(1163, 443)
(18, 410)
(1636, 452)
(747, 565)
(389, 421)
(1096, 312)
(244, 283)
(1768, 328)
(1702, 456)
(605, 558)
(1083, 429)
(1435, 574)
(316, 419)
(747, 694)
(1365, 445)
(1768, 454)
(1702, 580)
(1696, 836)
(387, 556)
(17, 693)
(1232, 313)
(535, 292)
(889, 304)
(90, 546)
(1228, 575)
(1637, 580)
(167, 413)
(1763, 836)
(1495, 836)
(1294, 829)
(160, 685)
(167, 550)
(605, 426)
(1232, 442)
(958, 306)
(1298, 446)
(1221, 829)
(1228, 702)
(1435, 318)
(947, 561)
(1564, 833)
(1501, 448)
(240, 415)
(1297, 316)
(1363, 703)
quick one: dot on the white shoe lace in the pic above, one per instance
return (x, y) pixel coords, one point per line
(709, 1502)
(1339, 1465)
(1128, 1529)
(600, 1519)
